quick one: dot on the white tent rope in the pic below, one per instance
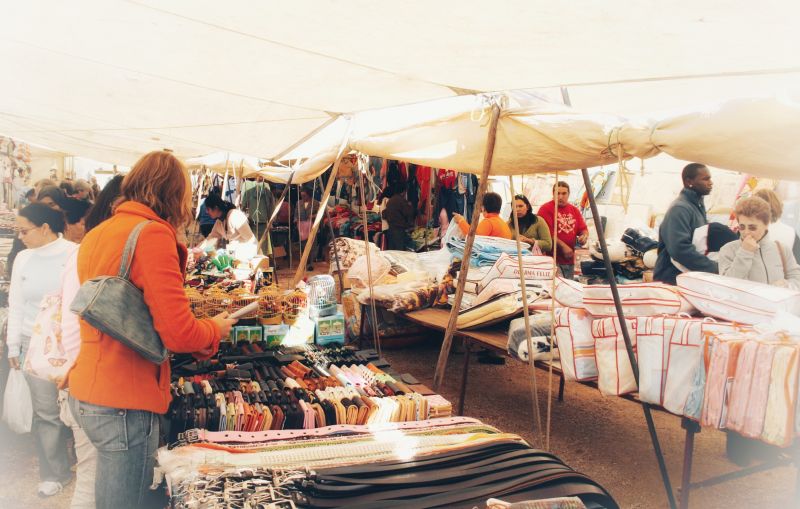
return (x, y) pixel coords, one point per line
(537, 418)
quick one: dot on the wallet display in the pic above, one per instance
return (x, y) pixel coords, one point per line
(249, 388)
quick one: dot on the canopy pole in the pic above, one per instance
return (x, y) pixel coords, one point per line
(301, 268)
(289, 235)
(552, 313)
(444, 353)
(651, 427)
(376, 336)
(537, 417)
(333, 242)
(612, 282)
(274, 214)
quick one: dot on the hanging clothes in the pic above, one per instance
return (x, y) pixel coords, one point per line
(472, 191)
(412, 188)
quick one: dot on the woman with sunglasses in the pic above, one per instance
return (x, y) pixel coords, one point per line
(37, 272)
(533, 229)
(756, 256)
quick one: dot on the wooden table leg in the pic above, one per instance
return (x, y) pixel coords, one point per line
(464, 374)
(561, 388)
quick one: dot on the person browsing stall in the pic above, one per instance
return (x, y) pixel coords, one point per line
(399, 216)
(534, 230)
(492, 225)
(756, 256)
(779, 230)
(36, 274)
(686, 213)
(572, 228)
(231, 226)
(116, 395)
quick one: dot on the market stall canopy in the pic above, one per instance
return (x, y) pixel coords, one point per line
(224, 162)
(534, 136)
(113, 79)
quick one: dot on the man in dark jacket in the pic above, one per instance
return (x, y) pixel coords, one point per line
(686, 213)
(399, 215)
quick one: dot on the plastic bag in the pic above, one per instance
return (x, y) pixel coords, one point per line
(359, 271)
(17, 406)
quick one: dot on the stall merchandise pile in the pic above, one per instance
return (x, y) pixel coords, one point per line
(717, 350)
(453, 462)
(249, 387)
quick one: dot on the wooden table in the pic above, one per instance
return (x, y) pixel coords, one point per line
(494, 338)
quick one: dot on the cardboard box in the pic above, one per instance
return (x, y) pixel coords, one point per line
(241, 333)
(330, 329)
(274, 334)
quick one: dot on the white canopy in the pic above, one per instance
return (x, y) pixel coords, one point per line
(113, 79)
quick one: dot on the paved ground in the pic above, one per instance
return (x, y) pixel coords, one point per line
(605, 438)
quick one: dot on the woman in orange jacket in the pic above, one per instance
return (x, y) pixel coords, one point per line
(116, 394)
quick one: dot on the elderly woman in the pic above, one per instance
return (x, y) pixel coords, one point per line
(756, 256)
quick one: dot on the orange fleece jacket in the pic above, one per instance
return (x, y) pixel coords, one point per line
(491, 226)
(108, 373)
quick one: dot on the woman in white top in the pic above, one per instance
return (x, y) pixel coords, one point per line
(778, 230)
(232, 227)
(37, 272)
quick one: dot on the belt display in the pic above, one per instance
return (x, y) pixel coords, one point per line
(457, 462)
(249, 388)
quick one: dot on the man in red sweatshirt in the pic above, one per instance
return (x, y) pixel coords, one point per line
(571, 227)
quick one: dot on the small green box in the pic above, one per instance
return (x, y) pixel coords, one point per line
(330, 329)
(274, 334)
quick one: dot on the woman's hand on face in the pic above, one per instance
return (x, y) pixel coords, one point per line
(749, 244)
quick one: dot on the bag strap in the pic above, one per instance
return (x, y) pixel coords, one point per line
(130, 248)
(783, 259)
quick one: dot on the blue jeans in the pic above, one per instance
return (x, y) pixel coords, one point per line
(126, 443)
(49, 433)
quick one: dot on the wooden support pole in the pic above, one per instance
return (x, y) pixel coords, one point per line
(301, 267)
(444, 353)
(526, 317)
(376, 337)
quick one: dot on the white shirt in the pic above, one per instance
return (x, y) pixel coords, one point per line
(242, 243)
(36, 273)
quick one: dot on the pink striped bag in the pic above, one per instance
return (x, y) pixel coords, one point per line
(723, 356)
(573, 330)
(615, 373)
(640, 299)
(782, 398)
(669, 352)
(752, 423)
